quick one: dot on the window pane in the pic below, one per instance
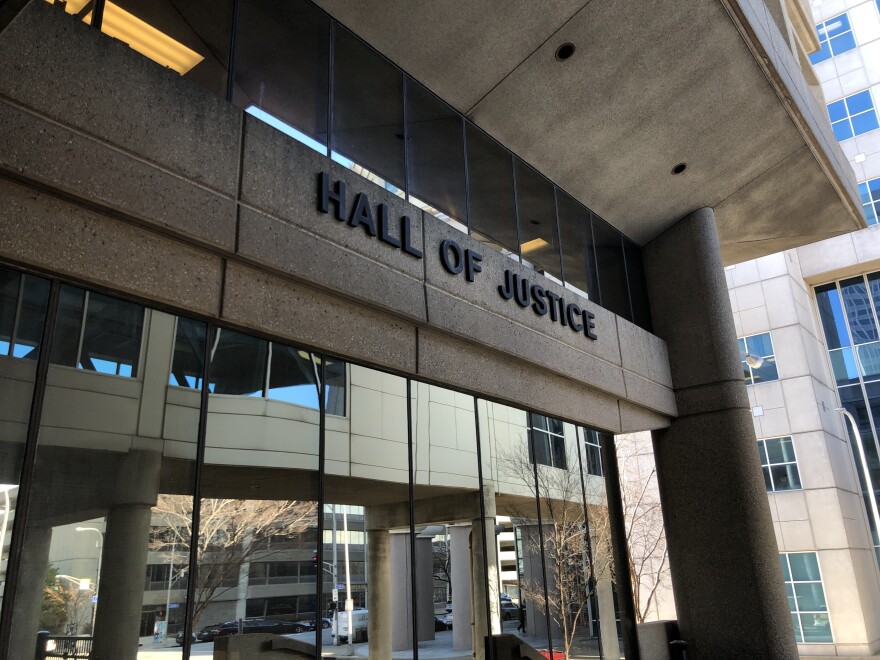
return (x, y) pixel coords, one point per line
(869, 359)
(842, 130)
(780, 450)
(578, 256)
(858, 310)
(9, 285)
(111, 341)
(837, 110)
(785, 477)
(817, 628)
(560, 457)
(189, 354)
(867, 121)
(539, 240)
(810, 597)
(29, 330)
(762, 452)
(795, 620)
(836, 26)
(540, 447)
(638, 288)
(612, 269)
(293, 376)
(843, 43)
(844, 364)
(68, 327)
(436, 152)
(239, 364)
(766, 372)
(281, 67)
(334, 387)
(490, 187)
(859, 102)
(187, 36)
(804, 566)
(831, 313)
(367, 109)
(760, 345)
(17, 382)
(786, 575)
(768, 482)
(100, 550)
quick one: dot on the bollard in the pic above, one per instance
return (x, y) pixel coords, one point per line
(679, 649)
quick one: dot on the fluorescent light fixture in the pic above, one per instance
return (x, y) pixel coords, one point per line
(147, 40)
(140, 36)
(534, 245)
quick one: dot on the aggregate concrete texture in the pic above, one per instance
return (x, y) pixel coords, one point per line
(637, 97)
(711, 487)
(185, 200)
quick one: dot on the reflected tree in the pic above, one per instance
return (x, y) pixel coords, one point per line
(66, 608)
(232, 533)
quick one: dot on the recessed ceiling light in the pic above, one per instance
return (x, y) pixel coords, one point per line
(678, 169)
(565, 51)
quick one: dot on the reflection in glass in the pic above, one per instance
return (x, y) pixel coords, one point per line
(843, 363)
(366, 553)
(578, 256)
(20, 296)
(112, 452)
(281, 67)
(858, 308)
(638, 287)
(449, 542)
(436, 156)
(612, 268)
(869, 360)
(259, 498)
(538, 233)
(491, 192)
(368, 128)
(831, 314)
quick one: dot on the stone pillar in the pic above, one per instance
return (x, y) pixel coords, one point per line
(121, 587)
(379, 591)
(460, 567)
(401, 593)
(723, 556)
(607, 619)
(483, 531)
(425, 587)
(32, 571)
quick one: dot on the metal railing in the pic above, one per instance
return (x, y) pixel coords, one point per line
(62, 646)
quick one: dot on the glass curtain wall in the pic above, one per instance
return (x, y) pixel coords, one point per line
(171, 496)
(383, 125)
(848, 311)
(108, 528)
(23, 306)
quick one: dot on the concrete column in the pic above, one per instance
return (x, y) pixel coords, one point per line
(607, 619)
(460, 567)
(728, 585)
(483, 533)
(29, 593)
(425, 588)
(121, 587)
(401, 593)
(379, 591)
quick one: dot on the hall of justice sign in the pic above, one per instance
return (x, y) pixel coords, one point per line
(453, 257)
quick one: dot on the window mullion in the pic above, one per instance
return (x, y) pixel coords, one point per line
(82, 330)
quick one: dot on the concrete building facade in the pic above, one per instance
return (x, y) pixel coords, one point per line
(263, 265)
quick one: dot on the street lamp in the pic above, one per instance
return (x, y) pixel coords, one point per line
(875, 514)
(98, 576)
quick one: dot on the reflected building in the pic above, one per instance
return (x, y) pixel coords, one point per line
(306, 318)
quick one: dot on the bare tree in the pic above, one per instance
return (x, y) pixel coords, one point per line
(565, 537)
(645, 534)
(232, 533)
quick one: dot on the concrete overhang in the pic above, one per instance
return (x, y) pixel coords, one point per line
(711, 83)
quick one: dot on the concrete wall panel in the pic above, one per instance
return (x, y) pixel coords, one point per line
(53, 234)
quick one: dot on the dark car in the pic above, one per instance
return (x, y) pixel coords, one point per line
(325, 623)
(212, 632)
(180, 635)
(440, 624)
(509, 610)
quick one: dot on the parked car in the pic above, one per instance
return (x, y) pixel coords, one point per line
(180, 635)
(440, 624)
(212, 632)
(448, 620)
(325, 623)
(509, 610)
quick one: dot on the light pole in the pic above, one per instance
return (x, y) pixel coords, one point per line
(875, 514)
(98, 576)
